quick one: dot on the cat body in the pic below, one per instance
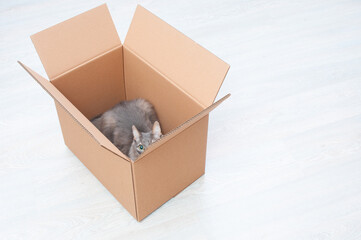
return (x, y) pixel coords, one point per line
(130, 125)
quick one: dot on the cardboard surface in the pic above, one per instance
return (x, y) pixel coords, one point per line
(113, 172)
(190, 66)
(170, 168)
(172, 104)
(96, 86)
(75, 113)
(74, 41)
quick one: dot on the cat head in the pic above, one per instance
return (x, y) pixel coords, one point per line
(141, 140)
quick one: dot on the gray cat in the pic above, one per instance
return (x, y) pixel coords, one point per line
(131, 126)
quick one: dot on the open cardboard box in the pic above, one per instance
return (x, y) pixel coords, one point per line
(90, 71)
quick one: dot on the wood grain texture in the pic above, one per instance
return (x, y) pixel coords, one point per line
(284, 152)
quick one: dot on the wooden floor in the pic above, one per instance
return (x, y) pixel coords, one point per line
(284, 152)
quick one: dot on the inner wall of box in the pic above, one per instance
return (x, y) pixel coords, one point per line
(96, 86)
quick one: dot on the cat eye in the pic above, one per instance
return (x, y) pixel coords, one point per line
(141, 147)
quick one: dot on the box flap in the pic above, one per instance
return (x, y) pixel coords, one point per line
(75, 113)
(182, 127)
(75, 41)
(188, 65)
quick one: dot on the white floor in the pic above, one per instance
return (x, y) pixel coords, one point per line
(284, 152)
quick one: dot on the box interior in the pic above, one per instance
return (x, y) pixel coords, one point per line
(142, 80)
(96, 86)
(92, 68)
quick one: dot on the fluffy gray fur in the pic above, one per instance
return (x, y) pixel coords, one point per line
(130, 125)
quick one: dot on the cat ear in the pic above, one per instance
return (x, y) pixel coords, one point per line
(156, 130)
(136, 134)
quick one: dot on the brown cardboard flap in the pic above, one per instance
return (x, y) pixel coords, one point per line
(75, 113)
(75, 41)
(188, 65)
(182, 127)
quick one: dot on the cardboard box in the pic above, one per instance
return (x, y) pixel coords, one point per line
(90, 71)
